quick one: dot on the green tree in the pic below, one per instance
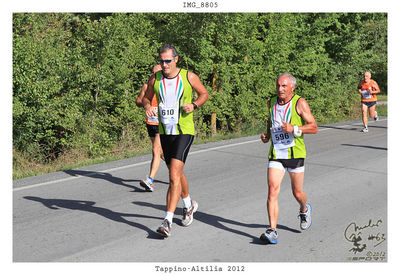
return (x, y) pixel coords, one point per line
(76, 76)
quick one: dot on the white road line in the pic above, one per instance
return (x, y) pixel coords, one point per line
(80, 176)
(126, 166)
(148, 162)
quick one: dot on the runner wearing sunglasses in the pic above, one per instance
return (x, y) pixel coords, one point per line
(174, 90)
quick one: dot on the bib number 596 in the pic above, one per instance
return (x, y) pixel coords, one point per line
(281, 136)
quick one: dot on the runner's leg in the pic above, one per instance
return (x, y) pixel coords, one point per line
(297, 189)
(364, 111)
(275, 177)
(372, 111)
(185, 186)
(175, 186)
(157, 152)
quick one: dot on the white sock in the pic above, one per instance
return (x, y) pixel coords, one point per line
(187, 202)
(169, 216)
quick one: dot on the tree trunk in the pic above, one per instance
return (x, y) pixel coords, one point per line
(214, 115)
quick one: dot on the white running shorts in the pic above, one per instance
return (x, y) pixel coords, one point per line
(278, 165)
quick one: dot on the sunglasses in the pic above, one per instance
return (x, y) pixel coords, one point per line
(167, 61)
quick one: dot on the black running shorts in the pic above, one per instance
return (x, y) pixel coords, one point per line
(152, 130)
(176, 146)
(369, 104)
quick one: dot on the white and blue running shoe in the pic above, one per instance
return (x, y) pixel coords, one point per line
(270, 236)
(305, 218)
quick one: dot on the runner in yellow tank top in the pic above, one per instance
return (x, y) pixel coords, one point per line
(290, 119)
(176, 128)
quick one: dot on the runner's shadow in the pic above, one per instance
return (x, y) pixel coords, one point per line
(279, 226)
(88, 206)
(218, 221)
(338, 128)
(365, 146)
(374, 126)
(110, 178)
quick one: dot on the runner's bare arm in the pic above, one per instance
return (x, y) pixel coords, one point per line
(359, 87)
(200, 90)
(148, 96)
(375, 89)
(139, 100)
(303, 109)
(266, 136)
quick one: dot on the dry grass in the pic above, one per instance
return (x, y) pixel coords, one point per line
(23, 166)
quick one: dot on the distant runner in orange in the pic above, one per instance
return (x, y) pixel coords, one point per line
(152, 130)
(368, 88)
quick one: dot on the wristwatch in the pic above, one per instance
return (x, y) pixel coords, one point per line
(296, 131)
(194, 106)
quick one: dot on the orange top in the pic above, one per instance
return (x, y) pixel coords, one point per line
(154, 104)
(365, 87)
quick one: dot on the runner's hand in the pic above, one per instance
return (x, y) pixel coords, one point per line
(287, 127)
(187, 107)
(265, 137)
(150, 111)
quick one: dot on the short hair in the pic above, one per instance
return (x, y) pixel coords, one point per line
(367, 72)
(168, 47)
(291, 78)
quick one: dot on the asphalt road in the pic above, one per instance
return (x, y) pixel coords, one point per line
(101, 214)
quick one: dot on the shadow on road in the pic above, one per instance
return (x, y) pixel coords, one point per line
(365, 146)
(374, 126)
(88, 206)
(339, 128)
(355, 128)
(218, 221)
(279, 226)
(110, 178)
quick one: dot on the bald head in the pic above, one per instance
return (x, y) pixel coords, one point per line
(367, 77)
(290, 77)
(285, 84)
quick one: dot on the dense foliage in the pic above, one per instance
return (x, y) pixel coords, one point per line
(76, 76)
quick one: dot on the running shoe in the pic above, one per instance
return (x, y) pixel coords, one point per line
(305, 218)
(187, 214)
(165, 229)
(364, 130)
(270, 236)
(376, 118)
(147, 184)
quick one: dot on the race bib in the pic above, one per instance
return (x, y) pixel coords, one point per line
(154, 118)
(169, 115)
(366, 94)
(281, 139)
